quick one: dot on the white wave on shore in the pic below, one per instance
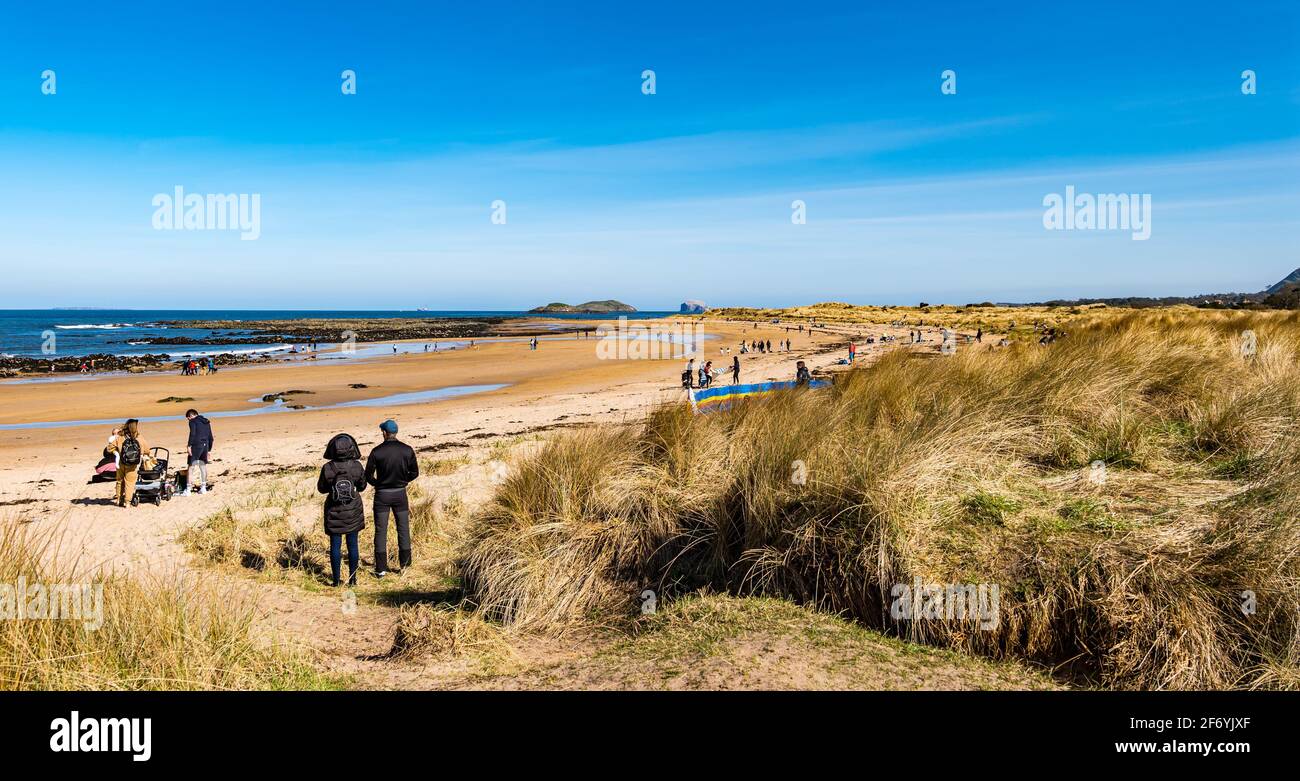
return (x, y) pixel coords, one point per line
(99, 326)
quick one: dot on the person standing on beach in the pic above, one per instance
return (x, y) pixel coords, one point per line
(735, 369)
(131, 451)
(342, 480)
(199, 448)
(390, 467)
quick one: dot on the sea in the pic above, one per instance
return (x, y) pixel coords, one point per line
(25, 332)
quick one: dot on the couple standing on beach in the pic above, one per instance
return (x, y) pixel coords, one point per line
(392, 465)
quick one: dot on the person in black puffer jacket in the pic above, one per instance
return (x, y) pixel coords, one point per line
(342, 480)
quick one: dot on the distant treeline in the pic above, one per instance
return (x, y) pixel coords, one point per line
(1286, 298)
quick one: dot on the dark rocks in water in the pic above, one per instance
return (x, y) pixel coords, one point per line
(175, 399)
(282, 395)
(333, 330)
(98, 362)
(190, 341)
(358, 385)
(13, 366)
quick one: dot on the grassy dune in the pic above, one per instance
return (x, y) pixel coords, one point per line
(1013, 320)
(156, 633)
(975, 468)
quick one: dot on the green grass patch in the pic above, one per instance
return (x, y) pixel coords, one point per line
(988, 509)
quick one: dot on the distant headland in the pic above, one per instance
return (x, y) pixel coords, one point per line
(609, 305)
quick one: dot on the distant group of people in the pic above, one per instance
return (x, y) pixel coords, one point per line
(695, 379)
(702, 379)
(196, 367)
(764, 346)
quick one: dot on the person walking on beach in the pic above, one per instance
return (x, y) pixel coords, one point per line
(735, 370)
(689, 376)
(342, 480)
(390, 467)
(131, 451)
(199, 448)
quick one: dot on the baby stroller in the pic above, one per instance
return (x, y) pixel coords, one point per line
(152, 484)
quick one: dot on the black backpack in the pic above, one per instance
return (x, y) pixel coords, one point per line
(130, 452)
(344, 492)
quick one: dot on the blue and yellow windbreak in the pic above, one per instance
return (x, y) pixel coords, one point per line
(722, 397)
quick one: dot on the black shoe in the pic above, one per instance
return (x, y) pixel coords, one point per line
(404, 558)
(335, 583)
(381, 573)
(352, 579)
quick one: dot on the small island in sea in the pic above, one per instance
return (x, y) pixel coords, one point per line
(609, 305)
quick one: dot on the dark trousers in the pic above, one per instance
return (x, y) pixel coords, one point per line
(394, 500)
(336, 556)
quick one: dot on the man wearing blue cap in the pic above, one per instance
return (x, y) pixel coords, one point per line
(390, 467)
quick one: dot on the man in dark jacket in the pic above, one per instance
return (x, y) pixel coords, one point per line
(391, 465)
(342, 480)
(200, 449)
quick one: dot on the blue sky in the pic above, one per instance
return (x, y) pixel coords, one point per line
(383, 199)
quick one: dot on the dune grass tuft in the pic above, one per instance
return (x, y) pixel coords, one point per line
(178, 632)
